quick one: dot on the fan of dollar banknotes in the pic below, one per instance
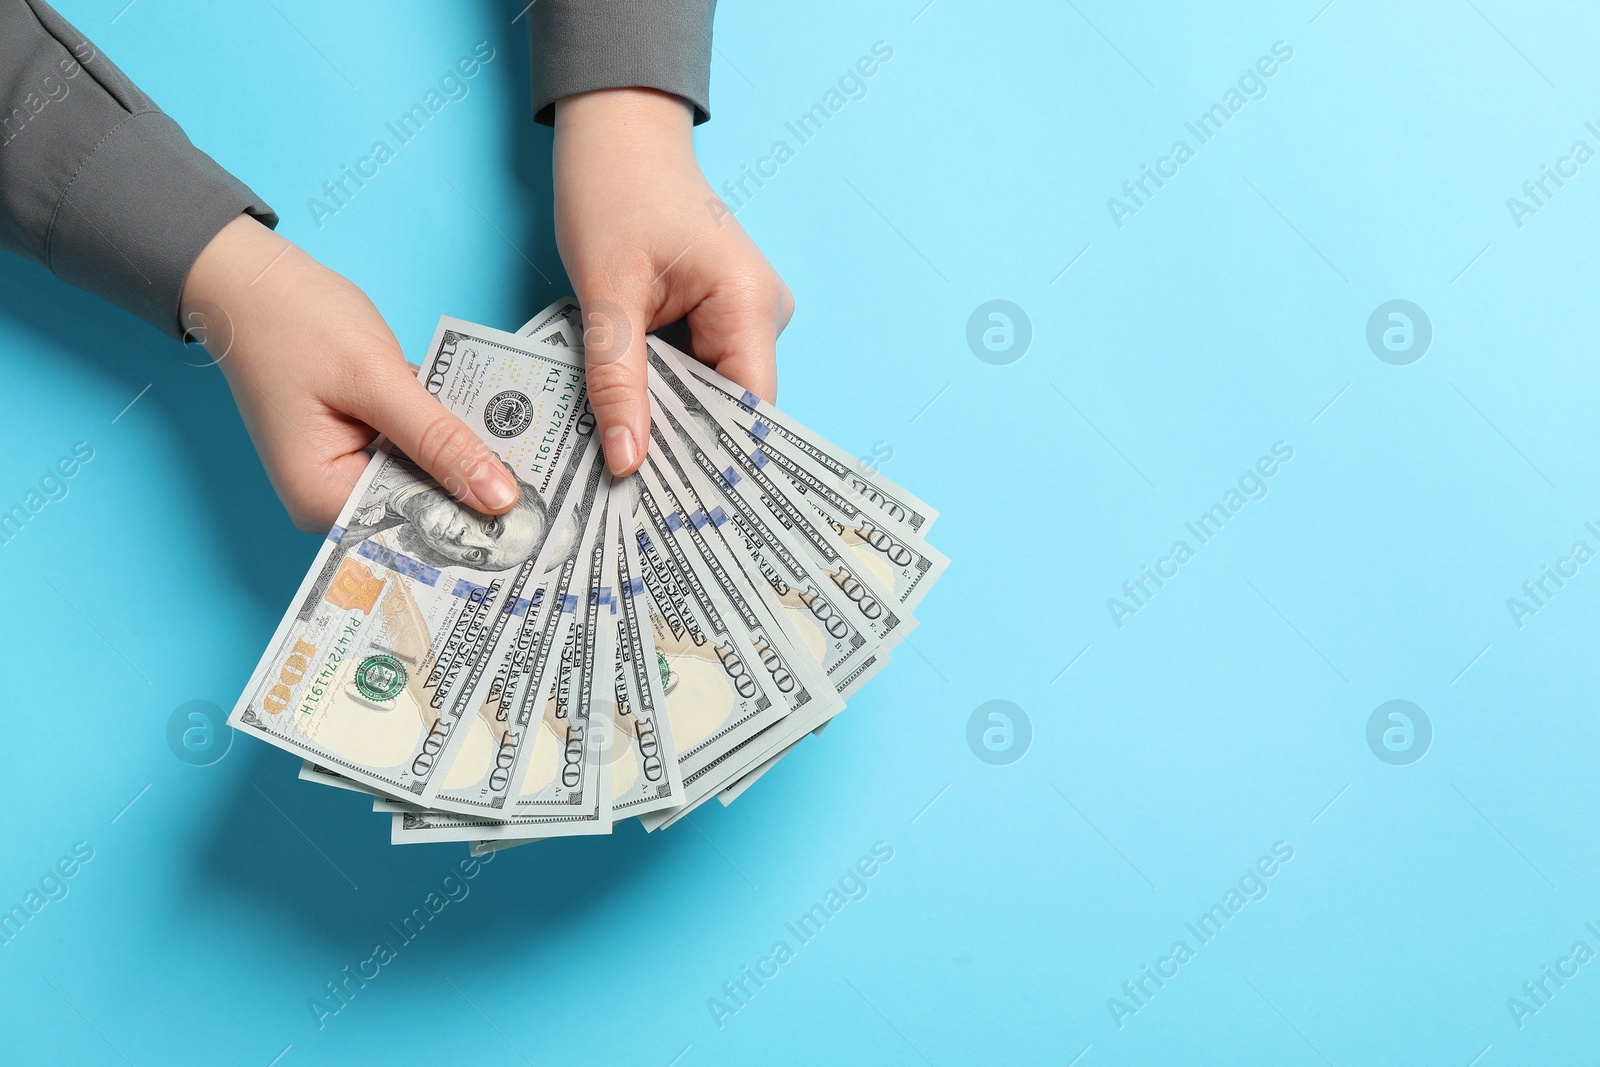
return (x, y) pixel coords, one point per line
(609, 647)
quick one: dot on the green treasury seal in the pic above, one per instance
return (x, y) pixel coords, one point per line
(380, 677)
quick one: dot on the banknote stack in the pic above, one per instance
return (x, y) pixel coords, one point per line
(608, 648)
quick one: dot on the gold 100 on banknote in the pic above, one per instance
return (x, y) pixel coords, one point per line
(608, 648)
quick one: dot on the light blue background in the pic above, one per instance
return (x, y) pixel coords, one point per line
(1229, 714)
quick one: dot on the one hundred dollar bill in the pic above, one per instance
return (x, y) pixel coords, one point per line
(549, 326)
(805, 568)
(885, 543)
(644, 769)
(559, 323)
(374, 664)
(737, 406)
(793, 650)
(645, 773)
(527, 731)
(792, 673)
(562, 778)
(311, 772)
(881, 542)
(717, 688)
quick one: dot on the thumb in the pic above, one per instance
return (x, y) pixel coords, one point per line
(398, 407)
(614, 323)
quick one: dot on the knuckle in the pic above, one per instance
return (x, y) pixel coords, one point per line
(760, 291)
(612, 387)
(449, 450)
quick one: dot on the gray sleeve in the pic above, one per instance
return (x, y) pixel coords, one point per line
(96, 182)
(582, 45)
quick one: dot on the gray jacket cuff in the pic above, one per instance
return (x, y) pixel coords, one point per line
(583, 45)
(137, 214)
(95, 181)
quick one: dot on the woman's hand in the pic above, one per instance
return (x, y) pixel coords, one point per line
(646, 242)
(317, 375)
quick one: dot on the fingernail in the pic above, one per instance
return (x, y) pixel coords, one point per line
(492, 486)
(620, 450)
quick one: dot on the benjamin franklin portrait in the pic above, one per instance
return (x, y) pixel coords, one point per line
(427, 523)
(434, 527)
(422, 520)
